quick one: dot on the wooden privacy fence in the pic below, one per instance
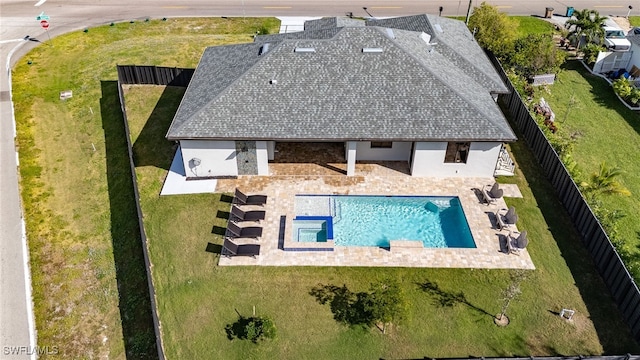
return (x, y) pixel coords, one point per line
(620, 283)
(154, 75)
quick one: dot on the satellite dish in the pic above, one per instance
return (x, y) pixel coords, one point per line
(196, 162)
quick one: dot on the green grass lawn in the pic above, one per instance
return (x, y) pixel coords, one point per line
(531, 25)
(605, 130)
(634, 20)
(197, 299)
(89, 281)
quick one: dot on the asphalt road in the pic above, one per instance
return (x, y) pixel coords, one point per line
(17, 20)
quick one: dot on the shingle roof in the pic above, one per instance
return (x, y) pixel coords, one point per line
(410, 91)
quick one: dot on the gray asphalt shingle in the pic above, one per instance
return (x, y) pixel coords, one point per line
(408, 92)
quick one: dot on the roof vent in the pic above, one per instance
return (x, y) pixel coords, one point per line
(438, 28)
(273, 81)
(390, 33)
(425, 37)
(304, 50)
(264, 48)
(372, 50)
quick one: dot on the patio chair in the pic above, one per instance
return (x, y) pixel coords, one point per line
(517, 244)
(253, 232)
(242, 199)
(251, 215)
(506, 218)
(233, 249)
(492, 193)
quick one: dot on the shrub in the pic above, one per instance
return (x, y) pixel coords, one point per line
(590, 52)
(625, 90)
(254, 328)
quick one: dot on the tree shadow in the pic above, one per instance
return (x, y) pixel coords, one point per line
(237, 330)
(151, 148)
(448, 298)
(131, 275)
(347, 306)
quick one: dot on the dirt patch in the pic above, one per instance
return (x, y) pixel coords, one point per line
(623, 22)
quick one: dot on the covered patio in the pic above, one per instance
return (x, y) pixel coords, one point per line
(326, 159)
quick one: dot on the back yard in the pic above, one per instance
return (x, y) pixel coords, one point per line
(197, 299)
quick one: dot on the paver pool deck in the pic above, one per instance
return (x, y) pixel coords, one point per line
(276, 242)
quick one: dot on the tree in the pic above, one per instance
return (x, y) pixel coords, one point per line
(253, 328)
(385, 303)
(587, 24)
(604, 182)
(493, 30)
(536, 54)
(510, 293)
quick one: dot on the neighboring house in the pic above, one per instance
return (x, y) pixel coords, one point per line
(634, 62)
(417, 89)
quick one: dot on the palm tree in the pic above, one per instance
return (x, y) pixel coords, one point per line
(587, 24)
(605, 182)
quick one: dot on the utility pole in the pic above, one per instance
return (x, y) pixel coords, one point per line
(468, 12)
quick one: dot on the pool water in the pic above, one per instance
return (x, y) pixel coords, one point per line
(438, 222)
(312, 228)
(312, 235)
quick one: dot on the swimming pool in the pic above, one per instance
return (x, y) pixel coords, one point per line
(436, 221)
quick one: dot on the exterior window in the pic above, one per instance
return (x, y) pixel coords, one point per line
(381, 144)
(457, 152)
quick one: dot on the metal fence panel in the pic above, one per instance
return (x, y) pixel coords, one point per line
(154, 75)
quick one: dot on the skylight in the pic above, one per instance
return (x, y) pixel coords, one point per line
(425, 37)
(372, 50)
(304, 50)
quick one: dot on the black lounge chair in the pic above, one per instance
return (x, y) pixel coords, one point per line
(251, 215)
(253, 232)
(491, 194)
(233, 249)
(242, 199)
(507, 218)
(517, 244)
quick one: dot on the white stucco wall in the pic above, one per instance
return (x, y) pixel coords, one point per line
(271, 149)
(217, 158)
(400, 151)
(262, 156)
(429, 160)
(350, 150)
